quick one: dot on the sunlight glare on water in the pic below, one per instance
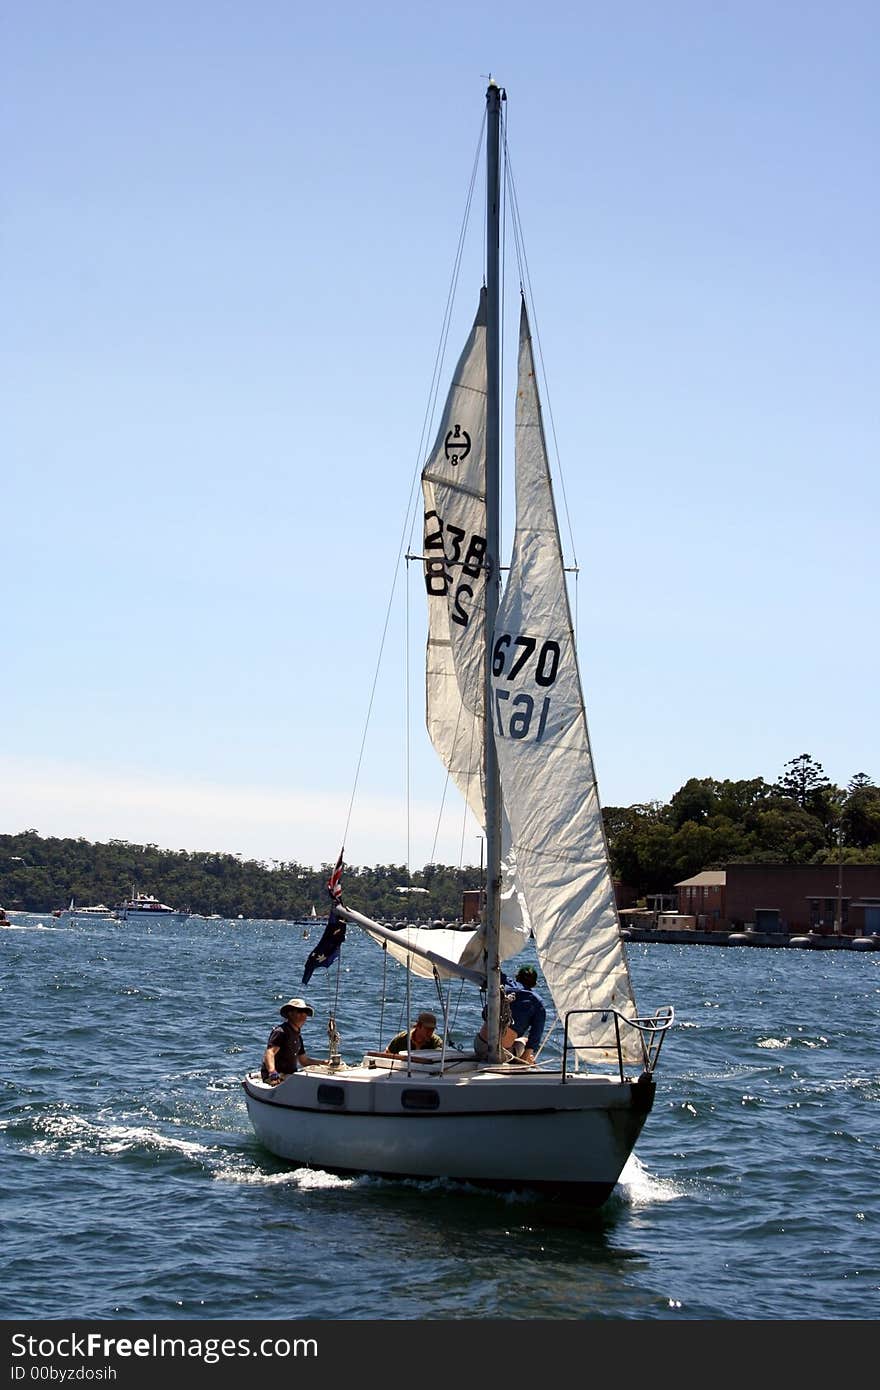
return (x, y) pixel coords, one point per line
(125, 1143)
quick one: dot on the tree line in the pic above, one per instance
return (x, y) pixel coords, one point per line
(801, 818)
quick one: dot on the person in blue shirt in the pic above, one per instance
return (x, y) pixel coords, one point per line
(528, 1011)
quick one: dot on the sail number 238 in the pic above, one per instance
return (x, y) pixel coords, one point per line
(521, 716)
(458, 552)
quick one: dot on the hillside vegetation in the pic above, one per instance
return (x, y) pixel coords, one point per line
(802, 818)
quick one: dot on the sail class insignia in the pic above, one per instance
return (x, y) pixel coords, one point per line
(457, 446)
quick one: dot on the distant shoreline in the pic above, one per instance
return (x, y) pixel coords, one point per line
(805, 942)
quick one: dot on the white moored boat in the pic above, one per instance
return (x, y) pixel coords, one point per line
(142, 907)
(505, 713)
(99, 912)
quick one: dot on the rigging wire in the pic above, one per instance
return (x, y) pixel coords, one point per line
(406, 720)
(384, 990)
(465, 808)
(446, 781)
(526, 286)
(409, 516)
(334, 990)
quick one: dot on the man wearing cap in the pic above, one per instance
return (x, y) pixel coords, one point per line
(528, 1013)
(285, 1050)
(421, 1036)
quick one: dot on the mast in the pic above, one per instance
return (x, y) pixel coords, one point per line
(494, 98)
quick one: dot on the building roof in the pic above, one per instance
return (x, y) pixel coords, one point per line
(709, 878)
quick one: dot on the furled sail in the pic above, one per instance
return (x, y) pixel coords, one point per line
(428, 951)
(547, 775)
(454, 492)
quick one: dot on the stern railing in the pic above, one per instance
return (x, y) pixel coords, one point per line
(651, 1031)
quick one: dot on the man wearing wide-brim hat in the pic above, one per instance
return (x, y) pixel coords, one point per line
(285, 1051)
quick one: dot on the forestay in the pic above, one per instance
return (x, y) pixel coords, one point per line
(547, 774)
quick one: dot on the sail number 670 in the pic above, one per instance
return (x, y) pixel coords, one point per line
(516, 715)
(518, 650)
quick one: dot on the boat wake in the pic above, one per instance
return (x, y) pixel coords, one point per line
(637, 1187)
(65, 1132)
(302, 1179)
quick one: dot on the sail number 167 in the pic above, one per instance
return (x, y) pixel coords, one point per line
(517, 715)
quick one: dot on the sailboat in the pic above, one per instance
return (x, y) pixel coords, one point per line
(307, 923)
(505, 713)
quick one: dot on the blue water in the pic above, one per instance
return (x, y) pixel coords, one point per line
(133, 1187)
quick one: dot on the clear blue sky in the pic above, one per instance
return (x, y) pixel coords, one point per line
(227, 238)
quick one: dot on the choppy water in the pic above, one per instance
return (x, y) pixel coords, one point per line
(133, 1187)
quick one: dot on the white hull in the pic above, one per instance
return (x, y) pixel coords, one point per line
(138, 918)
(489, 1127)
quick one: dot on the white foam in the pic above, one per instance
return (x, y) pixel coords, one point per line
(305, 1179)
(640, 1188)
(74, 1132)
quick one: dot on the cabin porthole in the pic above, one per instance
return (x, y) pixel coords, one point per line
(420, 1100)
(331, 1095)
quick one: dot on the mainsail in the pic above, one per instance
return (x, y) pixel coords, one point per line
(454, 492)
(547, 775)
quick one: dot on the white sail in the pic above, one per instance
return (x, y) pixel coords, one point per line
(449, 949)
(547, 775)
(428, 951)
(454, 492)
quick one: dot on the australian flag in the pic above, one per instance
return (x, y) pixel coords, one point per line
(334, 882)
(327, 949)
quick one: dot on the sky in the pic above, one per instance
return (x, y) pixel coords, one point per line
(228, 235)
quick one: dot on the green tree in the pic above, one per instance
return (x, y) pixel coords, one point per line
(860, 782)
(781, 832)
(860, 816)
(736, 799)
(695, 801)
(801, 777)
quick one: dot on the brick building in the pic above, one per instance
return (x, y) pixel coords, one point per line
(704, 897)
(791, 898)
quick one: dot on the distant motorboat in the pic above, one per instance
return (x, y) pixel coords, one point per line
(99, 911)
(143, 907)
